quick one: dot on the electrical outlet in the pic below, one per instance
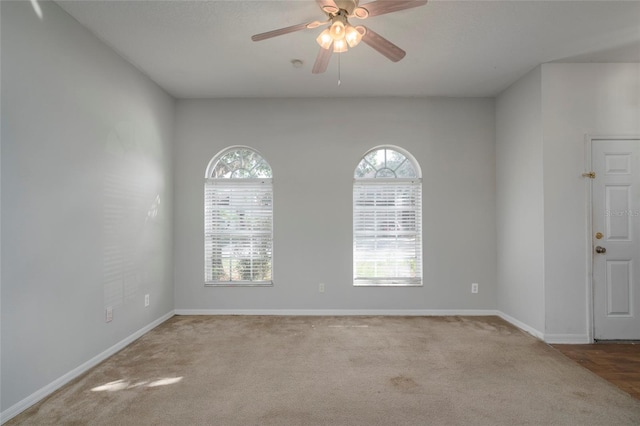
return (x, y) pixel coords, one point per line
(108, 314)
(474, 287)
(321, 287)
(146, 300)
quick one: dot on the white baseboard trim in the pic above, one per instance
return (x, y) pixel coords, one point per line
(40, 394)
(522, 326)
(567, 339)
(340, 312)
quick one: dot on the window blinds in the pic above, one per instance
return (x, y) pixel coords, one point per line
(238, 231)
(387, 223)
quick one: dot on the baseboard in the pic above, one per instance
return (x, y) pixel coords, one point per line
(40, 394)
(567, 339)
(340, 312)
(522, 326)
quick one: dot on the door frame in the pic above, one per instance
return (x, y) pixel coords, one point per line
(588, 144)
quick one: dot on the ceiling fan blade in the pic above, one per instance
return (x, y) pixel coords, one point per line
(322, 61)
(282, 31)
(328, 6)
(316, 24)
(382, 45)
(380, 7)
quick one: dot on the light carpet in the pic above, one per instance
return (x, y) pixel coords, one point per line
(268, 370)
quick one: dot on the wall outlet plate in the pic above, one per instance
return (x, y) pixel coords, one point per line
(474, 287)
(146, 300)
(321, 287)
(108, 314)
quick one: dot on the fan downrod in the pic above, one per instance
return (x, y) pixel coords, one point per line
(347, 8)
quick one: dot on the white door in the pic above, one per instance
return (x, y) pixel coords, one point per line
(616, 239)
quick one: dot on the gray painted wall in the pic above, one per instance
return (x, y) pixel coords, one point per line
(520, 209)
(85, 153)
(313, 146)
(542, 123)
(577, 99)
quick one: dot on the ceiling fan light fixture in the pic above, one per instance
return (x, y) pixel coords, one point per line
(353, 36)
(337, 30)
(340, 46)
(325, 39)
(340, 35)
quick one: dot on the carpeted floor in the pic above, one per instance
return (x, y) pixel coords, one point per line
(265, 370)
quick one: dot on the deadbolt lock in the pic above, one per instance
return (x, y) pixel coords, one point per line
(599, 235)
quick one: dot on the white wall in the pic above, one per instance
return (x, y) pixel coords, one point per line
(313, 146)
(543, 241)
(519, 188)
(85, 151)
(577, 99)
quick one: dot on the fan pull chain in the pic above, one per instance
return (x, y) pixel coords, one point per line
(339, 55)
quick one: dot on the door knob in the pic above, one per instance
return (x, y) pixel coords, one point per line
(601, 249)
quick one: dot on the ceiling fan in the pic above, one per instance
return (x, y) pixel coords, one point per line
(340, 34)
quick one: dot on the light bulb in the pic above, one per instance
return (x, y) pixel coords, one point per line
(352, 36)
(337, 30)
(324, 39)
(340, 46)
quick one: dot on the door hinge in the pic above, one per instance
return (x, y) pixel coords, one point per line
(590, 175)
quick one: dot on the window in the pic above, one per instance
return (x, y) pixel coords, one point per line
(238, 219)
(387, 219)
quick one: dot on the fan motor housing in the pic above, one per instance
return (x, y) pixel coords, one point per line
(348, 5)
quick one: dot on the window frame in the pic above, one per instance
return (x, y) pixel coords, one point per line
(412, 186)
(213, 184)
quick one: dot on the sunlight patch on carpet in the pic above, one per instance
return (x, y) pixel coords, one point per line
(121, 384)
(164, 382)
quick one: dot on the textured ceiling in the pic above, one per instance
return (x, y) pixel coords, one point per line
(203, 49)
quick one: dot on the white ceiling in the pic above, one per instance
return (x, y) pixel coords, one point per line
(202, 49)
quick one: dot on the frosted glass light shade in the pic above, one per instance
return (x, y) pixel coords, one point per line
(337, 30)
(324, 39)
(352, 36)
(340, 46)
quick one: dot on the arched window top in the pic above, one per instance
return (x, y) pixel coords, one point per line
(238, 162)
(387, 162)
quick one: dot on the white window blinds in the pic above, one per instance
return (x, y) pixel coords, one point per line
(238, 231)
(387, 246)
(238, 219)
(387, 220)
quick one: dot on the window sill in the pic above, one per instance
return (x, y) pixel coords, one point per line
(238, 284)
(374, 284)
